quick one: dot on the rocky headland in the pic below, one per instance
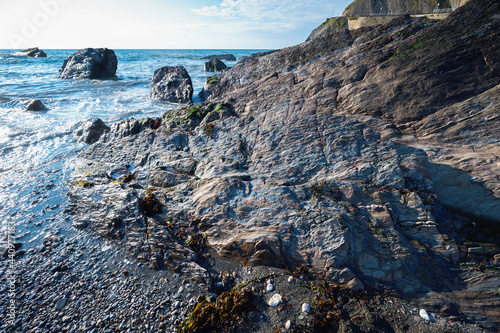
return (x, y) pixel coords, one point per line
(341, 185)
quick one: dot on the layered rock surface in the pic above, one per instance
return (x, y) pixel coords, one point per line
(327, 154)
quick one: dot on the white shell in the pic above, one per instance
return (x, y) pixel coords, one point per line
(424, 314)
(275, 300)
(306, 308)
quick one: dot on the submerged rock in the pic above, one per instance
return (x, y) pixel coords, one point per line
(214, 66)
(172, 84)
(90, 64)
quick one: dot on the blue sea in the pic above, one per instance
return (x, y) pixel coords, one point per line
(36, 147)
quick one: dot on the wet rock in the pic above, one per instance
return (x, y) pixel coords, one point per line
(214, 66)
(306, 308)
(172, 84)
(228, 57)
(34, 52)
(35, 105)
(90, 64)
(89, 130)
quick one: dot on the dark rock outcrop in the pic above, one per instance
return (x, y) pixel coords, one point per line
(90, 130)
(227, 57)
(214, 66)
(90, 64)
(34, 53)
(395, 7)
(327, 155)
(172, 84)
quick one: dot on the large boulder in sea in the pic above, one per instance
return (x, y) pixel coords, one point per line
(172, 84)
(90, 64)
(227, 57)
(214, 66)
(34, 52)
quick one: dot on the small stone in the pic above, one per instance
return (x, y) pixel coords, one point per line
(306, 308)
(424, 315)
(288, 324)
(61, 303)
(275, 300)
(291, 279)
(269, 287)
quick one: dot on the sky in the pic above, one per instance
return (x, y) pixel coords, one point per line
(161, 24)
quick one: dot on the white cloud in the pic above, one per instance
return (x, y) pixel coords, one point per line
(241, 26)
(289, 11)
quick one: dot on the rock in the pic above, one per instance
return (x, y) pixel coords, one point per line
(291, 279)
(35, 105)
(288, 324)
(34, 53)
(423, 314)
(28, 105)
(306, 308)
(269, 287)
(331, 25)
(227, 57)
(214, 66)
(89, 130)
(476, 250)
(172, 84)
(395, 7)
(275, 300)
(90, 64)
(61, 303)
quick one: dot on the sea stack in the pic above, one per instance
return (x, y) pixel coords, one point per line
(90, 64)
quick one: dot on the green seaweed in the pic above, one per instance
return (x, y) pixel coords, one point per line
(211, 80)
(223, 316)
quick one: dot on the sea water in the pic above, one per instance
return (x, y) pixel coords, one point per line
(36, 147)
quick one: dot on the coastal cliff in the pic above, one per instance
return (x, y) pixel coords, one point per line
(367, 157)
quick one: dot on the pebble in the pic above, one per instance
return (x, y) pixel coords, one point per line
(291, 279)
(61, 303)
(424, 315)
(269, 287)
(306, 308)
(275, 300)
(288, 324)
